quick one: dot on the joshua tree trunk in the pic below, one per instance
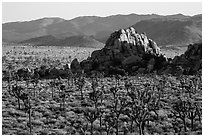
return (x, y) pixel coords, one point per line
(189, 92)
(100, 120)
(141, 128)
(82, 97)
(91, 128)
(184, 124)
(34, 91)
(19, 105)
(59, 92)
(63, 103)
(192, 124)
(30, 124)
(117, 126)
(131, 126)
(52, 92)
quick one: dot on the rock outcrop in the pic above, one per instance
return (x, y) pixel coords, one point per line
(128, 51)
(129, 42)
(188, 63)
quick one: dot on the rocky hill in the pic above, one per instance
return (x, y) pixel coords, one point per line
(125, 51)
(188, 63)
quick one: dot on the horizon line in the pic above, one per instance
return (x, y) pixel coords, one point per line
(49, 17)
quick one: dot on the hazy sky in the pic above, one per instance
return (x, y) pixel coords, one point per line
(22, 11)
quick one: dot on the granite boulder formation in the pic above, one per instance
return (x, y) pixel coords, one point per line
(128, 51)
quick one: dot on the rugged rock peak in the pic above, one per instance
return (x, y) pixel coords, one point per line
(132, 40)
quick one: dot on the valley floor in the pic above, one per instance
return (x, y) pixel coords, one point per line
(142, 104)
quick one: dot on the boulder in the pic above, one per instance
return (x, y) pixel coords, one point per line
(141, 70)
(75, 66)
(87, 65)
(95, 54)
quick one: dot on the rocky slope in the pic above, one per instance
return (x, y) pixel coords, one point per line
(188, 63)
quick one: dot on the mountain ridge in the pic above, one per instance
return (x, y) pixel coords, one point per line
(98, 28)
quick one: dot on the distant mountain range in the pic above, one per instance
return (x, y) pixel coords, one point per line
(172, 31)
(93, 31)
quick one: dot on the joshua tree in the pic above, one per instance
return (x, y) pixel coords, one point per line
(117, 78)
(52, 85)
(109, 122)
(180, 110)
(140, 106)
(16, 91)
(119, 104)
(62, 96)
(139, 114)
(80, 82)
(128, 85)
(191, 113)
(35, 84)
(28, 109)
(95, 95)
(10, 76)
(91, 114)
(114, 91)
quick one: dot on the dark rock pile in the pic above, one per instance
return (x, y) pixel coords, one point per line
(126, 51)
(189, 63)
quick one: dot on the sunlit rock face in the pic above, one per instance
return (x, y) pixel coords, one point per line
(132, 42)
